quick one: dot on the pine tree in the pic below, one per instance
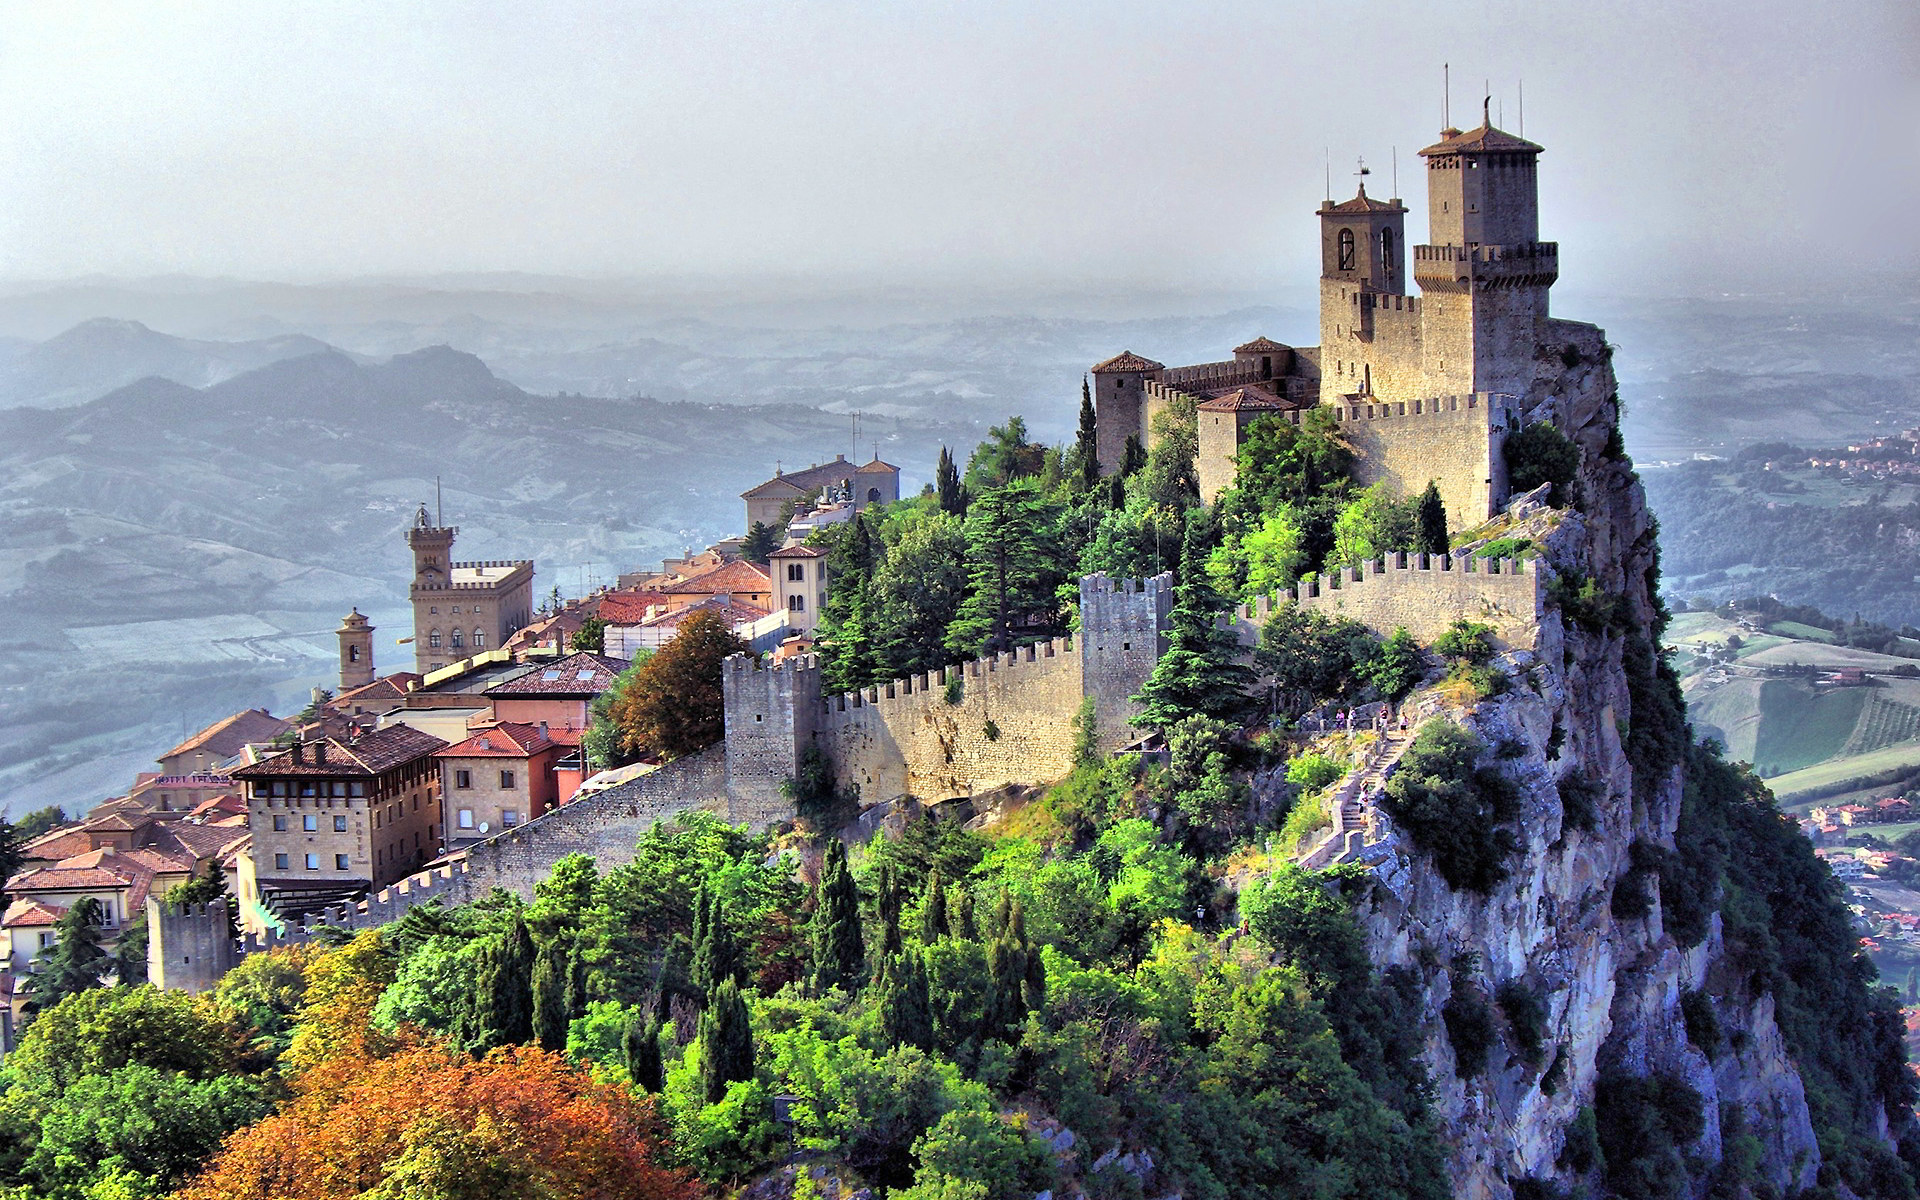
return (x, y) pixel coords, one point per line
(506, 990)
(953, 494)
(845, 634)
(886, 903)
(761, 541)
(839, 952)
(933, 917)
(1432, 520)
(75, 961)
(549, 990)
(576, 982)
(726, 1042)
(1200, 672)
(1086, 446)
(903, 1001)
(717, 956)
(1134, 457)
(1011, 568)
(640, 1045)
(960, 917)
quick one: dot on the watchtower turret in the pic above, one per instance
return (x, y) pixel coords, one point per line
(356, 651)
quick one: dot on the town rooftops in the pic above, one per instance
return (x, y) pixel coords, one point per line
(27, 913)
(798, 550)
(229, 735)
(1484, 140)
(509, 739)
(736, 576)
(734, 612)
(387, 687)
(1127, 360)
(1364, 203)
(576, 677)
(1261, 345)
(372, 754)
(629, 608)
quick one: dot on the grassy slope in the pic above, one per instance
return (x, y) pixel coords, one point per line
(1905, 754)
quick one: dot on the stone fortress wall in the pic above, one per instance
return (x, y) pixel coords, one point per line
(1423, 594)
(189, 946)
(1456, 442)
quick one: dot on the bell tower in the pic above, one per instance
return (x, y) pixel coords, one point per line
(432, 547)
(356, 651)
(1363, 256)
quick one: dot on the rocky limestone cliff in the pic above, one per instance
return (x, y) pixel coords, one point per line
(1612, 985)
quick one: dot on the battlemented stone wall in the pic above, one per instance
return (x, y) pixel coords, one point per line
(1123, 625)
(1419, 593)
(771, 714)
(189, 946)
(1454, 441)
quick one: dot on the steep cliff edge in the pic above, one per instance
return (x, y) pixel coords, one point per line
(1619, 1017)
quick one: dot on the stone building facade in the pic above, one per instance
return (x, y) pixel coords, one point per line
(461, 608)
(1432, 382)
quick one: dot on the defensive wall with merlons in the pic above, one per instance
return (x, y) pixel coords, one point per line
(1423, 594)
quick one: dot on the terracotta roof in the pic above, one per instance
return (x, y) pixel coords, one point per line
(628, 608)
(1365, 203)
(795, 482)
(1261, 345)
(56, 844)
(379, 751)
(508, 739)
(226, 802)
(733, 612)
(1485, 140)
(779, 485)
(798, 550)
(878, 465)
(27, 913)
(1127, 360)
(193, 841)
(1243, 400)
(576, 676)
(120, 822)
(736, 576)
(52, 879)
(387, 687)
(227, 736)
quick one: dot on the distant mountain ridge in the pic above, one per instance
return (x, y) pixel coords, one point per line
(97, 356)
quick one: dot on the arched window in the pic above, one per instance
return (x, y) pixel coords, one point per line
(353, 654)
(457, 640)
(873, 495)
(479, 639)
(1346, 250)
(1386, 248)
(433, 639)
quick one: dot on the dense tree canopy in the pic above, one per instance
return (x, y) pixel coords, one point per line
(673, 705)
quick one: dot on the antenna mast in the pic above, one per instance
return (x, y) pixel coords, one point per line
(1328, 152)
(439, 513)
(1396, 172)
(1523, 108)
(1446, 95)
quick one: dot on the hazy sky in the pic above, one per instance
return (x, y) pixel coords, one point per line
(1691, 145)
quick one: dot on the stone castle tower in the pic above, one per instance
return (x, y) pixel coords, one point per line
(1425, 386)
(356, 651)
(461, 608)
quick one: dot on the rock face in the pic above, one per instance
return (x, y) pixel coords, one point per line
(1612, 985)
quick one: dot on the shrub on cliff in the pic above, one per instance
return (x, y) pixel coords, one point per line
(1453, 810)
(1541, 454)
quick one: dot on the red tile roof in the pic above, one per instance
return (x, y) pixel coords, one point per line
(27, 913)
(577, 676)
(629, 608)
(1365, 203)
(733, 612)
(387, 687)
(1244, 400)
(1127, 360)
(56, 844)
(376, 752)
(227, 736)
(798, 550)
(794, 482)
(1485, 139)
(736, 576)
(509, 739)
(1261, 345)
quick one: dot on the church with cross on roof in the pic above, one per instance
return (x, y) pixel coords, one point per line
(1423, 387)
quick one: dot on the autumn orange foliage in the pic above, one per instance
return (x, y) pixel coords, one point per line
(429, 1121)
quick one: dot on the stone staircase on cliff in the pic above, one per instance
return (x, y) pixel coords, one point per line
(1356, 821)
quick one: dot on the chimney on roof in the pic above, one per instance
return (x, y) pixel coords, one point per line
(299, 753)
(320, 753)
(543, 731)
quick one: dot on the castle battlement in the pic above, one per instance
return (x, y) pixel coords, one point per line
(1483, 406)
(1232, 373)
(1421, 593)
(493, 562)
(915, 686)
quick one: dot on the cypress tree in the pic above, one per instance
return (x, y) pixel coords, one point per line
(502, 1012)
(1201, 672)
(887, 908)
(933, 917)
(960, 917)
(1432, 535)
(903, 1001)
(1087, 445)
(1002, 916)
(640, 1045)
(726, 1041)
(75, 961)
(1006, 971)
(1135, 456)
(549, 988)
(576, 982)
(1913, 985)
(839, 952)
(716, 952)
(953, 494)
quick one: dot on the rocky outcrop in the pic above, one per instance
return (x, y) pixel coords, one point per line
(1612, 985)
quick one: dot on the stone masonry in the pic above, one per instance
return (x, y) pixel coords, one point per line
(189, 946)
(1419, 593)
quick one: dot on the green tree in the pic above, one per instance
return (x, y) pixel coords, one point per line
(916, 594)
(75, 961)
(1171, 479)
(1086, 443)
(839, 951)
(137, 1128)
(1370, 525)
(726, 1042)
(1007, 455)
(1013, 569)
(933, 914)
(904, 1002)
(1541, 454)
(100, 1030)
(971, 1154)
(1264, 561)
(39, 821)
(717, 956)
(673, 706)
(947, 486)
(1200, 672)
(1454, 810)
(1397, 666)
(1431, 519)
(591, 636)
(604, 744)
(1311, 656)
(11, 840)
(760, 543)
(640, 1048)
(130, 956)
(504, 1003)
(548, 987)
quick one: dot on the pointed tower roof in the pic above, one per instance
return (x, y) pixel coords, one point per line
(1127, 360)
(1484, 140)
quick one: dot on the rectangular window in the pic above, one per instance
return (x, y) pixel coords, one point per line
(506, 779)
(339, 862)
(466, 818)
(279, 824)
(356, 789)
(463, 779)
(313, 862)
(509, 818)
(279, 862)
(310, 822)
(339, 824)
